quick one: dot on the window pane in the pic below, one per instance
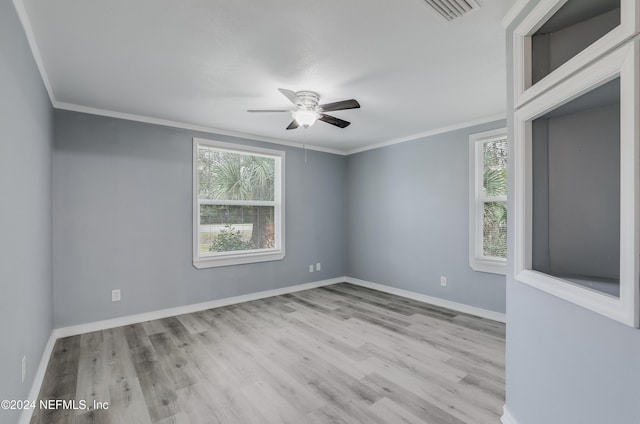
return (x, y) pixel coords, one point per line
(494, 229)
(234, 176)
(494, 164)
(233, 228)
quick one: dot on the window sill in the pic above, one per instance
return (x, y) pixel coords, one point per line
(213, 262)
(493, 266)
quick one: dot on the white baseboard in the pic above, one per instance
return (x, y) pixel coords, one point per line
(74, 330)
(507, 418)
(460, 307)
(180, 310)
(187, 309)
(25, 417)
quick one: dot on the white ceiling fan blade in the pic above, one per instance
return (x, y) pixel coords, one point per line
(293, 98)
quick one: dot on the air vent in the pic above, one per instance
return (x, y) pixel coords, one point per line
(452, 9)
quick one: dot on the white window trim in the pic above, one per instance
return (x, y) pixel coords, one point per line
(477, 260)
(248, 256)
(524, 91)
(623, 63)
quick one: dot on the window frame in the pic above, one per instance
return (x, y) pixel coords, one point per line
(477, 260)
(622, 63)
(524, 90)
(242, 256)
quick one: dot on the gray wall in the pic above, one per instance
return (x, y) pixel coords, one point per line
(565, 364)
(408, 219)
(576, 230)
(584, 191)
(552, 47)
(122, 219)
(26, 136)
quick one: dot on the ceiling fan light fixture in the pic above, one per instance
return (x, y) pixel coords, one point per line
(308, 111)
(306, 118)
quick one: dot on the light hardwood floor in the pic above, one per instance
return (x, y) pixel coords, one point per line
(340, 354)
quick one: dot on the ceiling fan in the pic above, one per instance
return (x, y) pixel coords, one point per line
(308, 111)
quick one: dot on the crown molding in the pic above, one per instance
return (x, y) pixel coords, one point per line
(430, 133)
(193, 127)
(35, 51)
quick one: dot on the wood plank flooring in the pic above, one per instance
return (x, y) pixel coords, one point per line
(340, 354)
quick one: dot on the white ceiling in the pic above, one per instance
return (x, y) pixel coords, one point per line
(204, 62)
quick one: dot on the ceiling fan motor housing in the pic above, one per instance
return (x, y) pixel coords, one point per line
(309, 99)
(308, 110)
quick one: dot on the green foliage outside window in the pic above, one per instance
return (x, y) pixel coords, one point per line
(229, 239)
(234, 176)
(494, 241)
(229, 176)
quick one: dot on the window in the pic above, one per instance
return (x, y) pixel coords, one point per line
(576, 188)
(488, 201)
(238, 199)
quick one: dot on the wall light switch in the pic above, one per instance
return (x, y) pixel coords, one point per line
(318, 266)
(311, 268)
(115, 295)
(443, 281)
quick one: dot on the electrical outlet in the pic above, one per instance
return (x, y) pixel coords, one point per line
(443, 281)
(24, 367)
(115, 295)
(318, 266)
(311, 268)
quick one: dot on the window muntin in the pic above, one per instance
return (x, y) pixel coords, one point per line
(238, 216)
(494, 197)
(488, 201)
